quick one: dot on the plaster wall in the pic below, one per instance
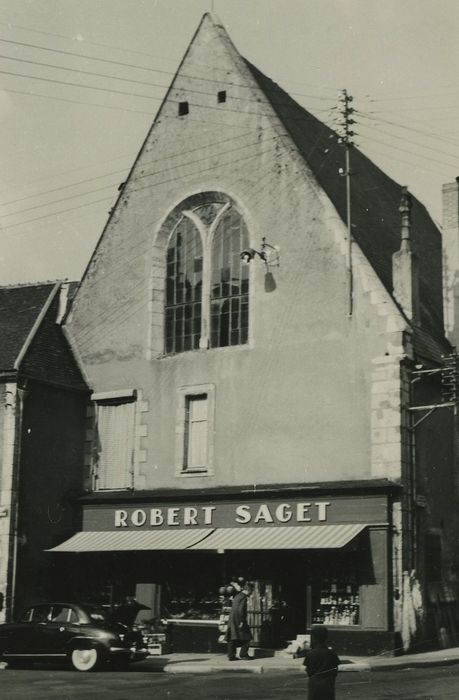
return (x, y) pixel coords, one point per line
(295, 403)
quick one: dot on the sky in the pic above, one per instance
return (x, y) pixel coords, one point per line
(68, 138)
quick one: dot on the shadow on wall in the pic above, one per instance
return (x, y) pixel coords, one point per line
(270, 282)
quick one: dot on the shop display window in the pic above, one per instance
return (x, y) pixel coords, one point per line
(186, 605)
(338, 602)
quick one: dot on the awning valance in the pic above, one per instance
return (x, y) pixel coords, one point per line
(132, 540)
(299, 537)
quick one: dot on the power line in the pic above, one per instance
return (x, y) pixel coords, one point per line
(74, 170)
(148, 55)
(405, 140)
(77, 102)
(86, 41)
(226, 108)
(153, 70)
(132, 80)
(80, 85)
(123, 170)
(139, 177)
(408, 128)
(86, 72)
(155, 184)
(407, 97)
(392, 158)
(413, 109)
(56, 213)
(404, 150)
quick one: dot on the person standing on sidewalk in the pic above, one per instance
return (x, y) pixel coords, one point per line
(239, 634)
(321, 666)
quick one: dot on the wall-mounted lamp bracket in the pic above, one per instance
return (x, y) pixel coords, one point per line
(269, 254)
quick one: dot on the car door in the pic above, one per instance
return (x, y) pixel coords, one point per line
(15, 635)
(53, 632)
(23, 636)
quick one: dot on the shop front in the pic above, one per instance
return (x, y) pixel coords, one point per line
(315, 558)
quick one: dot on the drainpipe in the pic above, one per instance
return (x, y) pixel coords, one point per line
(21, 394)
(8, 496)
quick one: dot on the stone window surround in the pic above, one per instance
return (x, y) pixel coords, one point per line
(182, 394)
(157, 292)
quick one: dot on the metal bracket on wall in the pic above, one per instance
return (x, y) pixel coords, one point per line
(430, 409)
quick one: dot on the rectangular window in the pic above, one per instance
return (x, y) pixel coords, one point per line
(196, 432)
(114, 444)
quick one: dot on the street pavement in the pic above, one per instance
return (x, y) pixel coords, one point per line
(140, 683)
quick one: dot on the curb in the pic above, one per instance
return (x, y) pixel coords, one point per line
(413, 663)
(194, 668)
(353, 667)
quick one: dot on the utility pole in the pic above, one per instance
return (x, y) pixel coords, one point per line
(345, 135)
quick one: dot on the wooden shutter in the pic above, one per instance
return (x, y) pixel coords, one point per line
(197, 430)
(115, 428)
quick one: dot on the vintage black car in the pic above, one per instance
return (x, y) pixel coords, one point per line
(87, 636)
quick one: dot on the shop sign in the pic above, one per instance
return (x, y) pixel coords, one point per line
(245, 514)
(248, 514)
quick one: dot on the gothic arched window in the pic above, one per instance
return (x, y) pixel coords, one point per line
(183, 288)
(229, 293)
(207, 285)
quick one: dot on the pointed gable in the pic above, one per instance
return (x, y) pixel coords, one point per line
(176, 152)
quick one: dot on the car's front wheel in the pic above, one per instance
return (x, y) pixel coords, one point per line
(85, 659)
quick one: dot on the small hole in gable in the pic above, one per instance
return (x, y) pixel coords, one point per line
(183, 108)
(221, 96)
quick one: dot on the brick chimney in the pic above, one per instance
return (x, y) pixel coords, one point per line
(405, 277)
(450, 240)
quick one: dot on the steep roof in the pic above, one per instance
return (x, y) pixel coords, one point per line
(375, 199)
(48, 357)
(19, 310)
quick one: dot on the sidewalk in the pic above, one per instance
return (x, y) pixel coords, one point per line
(218, 663)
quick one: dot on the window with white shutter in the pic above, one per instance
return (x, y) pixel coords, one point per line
(114, 445)
(194, 430)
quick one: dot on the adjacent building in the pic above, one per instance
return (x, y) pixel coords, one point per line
(42, 413)
(254, 373)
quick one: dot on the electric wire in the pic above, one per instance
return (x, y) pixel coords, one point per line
(144, 53)
(405, 140)
(136, 82)
(404, 150)
(223, 82)
(174, 179)
(123, 170)
(226, 108)
(430, 134)
(139, 177)
(77, 102)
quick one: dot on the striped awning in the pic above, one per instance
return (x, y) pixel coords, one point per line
(132, 540)
(299, 537)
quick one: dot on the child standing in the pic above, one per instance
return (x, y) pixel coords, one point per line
(321, 666)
